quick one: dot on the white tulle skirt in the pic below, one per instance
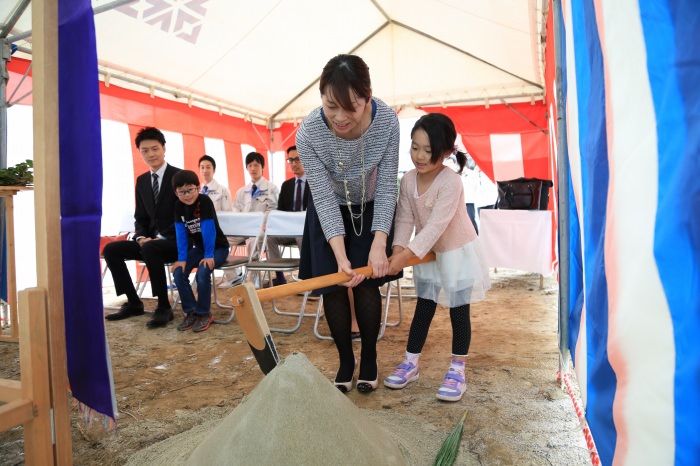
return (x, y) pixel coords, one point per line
(455, 277)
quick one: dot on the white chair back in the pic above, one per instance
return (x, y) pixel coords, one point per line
(245, 224)
(127, 223)
(281, 223)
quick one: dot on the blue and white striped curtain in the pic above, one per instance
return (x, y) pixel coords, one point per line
(633, 129)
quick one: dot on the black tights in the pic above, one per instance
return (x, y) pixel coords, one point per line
(461, 327)
(368, 312)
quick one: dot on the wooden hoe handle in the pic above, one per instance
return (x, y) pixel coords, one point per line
(268, 294)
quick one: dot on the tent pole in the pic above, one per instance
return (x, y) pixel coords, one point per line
(563, 187)
(5, 53)
(4, 76)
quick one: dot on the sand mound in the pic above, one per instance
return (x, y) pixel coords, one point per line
(294, 416)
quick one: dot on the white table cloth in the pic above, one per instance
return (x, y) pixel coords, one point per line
(517, 239)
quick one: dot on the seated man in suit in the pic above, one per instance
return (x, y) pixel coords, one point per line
(294, 196)
(154, 235)
(257, 196)
(289, 199)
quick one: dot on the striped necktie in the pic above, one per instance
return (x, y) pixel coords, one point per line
(156, 190)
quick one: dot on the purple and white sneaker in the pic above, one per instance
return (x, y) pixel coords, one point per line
(405, 373)
(453, 387)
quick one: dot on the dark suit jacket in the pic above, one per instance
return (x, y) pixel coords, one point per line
(151, 217)
(286, 199)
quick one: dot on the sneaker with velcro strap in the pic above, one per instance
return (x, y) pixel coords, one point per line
(405, 373)
(453, 386)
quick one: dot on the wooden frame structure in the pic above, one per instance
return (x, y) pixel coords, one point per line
(8, 192)
(28, 402)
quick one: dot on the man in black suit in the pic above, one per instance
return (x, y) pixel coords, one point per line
(287, 200)
(154, 235)
(294, 196)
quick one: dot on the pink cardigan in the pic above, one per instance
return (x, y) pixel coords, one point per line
(439, 215)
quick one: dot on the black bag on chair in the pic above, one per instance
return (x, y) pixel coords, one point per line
(523, 194)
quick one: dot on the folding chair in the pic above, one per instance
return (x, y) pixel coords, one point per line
(126, 226)
(281, 224)
(399, 295)
(144, 278)
(241, 224)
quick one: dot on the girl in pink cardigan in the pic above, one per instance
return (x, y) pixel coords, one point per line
(431, 199)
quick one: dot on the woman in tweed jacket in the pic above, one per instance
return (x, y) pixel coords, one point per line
(349, 148)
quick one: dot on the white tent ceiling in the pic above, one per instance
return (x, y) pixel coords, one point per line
(263, 58)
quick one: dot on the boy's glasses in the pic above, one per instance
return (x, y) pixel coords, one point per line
(293, 160)
(186, 192)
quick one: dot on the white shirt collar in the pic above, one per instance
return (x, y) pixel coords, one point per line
(261, 184)
(160, 172)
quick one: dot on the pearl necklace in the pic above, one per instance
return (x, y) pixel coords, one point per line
(353, 216)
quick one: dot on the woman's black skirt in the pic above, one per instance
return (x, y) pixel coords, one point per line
(317, 257)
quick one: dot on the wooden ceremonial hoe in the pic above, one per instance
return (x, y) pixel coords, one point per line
(246, 300)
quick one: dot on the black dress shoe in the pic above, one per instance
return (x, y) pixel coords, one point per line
(161, 317)
(127, 310)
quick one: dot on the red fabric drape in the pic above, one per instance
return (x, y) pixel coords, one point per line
(477, 123)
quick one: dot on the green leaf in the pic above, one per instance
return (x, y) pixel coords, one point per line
(450, 447)
(19, 175)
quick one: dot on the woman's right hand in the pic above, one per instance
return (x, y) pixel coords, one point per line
(346, 267)
(337, 244)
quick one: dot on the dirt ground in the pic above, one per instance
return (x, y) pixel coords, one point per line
(169, 383)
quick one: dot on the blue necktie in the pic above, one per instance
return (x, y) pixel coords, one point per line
(297, 201)
(205, 190)
(253, 190)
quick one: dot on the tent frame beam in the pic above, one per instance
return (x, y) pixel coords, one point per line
(464, 52)
(388, 23)
(16, 15)
(96, 10)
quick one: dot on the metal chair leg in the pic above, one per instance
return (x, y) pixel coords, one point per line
(300, 314)
(319, 311)
(397, 284)
(222, 306)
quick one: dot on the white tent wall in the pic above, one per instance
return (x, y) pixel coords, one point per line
(263, 59)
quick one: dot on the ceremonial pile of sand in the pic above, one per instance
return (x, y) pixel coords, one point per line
(295, 416)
